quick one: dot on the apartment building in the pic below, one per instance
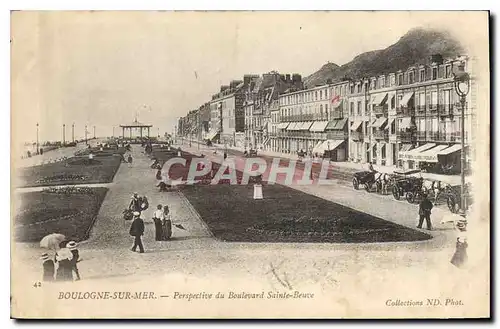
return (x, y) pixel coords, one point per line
(314, 121)
(410, 118)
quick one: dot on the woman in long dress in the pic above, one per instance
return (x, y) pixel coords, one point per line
(158, 219)
(65, 266)
(166, 224)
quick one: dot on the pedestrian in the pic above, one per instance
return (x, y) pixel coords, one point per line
(158, 174)
(72, 246)
(460, 256)
(137, 230)
(436, 186)
(424, 211)
(64, 259)
(48, 268)
(135, 203)
(129, 160)
(166, 224)
(370, 167)
(225, 155)
(158, 220)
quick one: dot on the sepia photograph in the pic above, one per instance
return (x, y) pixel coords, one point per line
(250, 164)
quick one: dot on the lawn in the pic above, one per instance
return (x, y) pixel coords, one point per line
(75, 170)
(288, 215)
(69, 213)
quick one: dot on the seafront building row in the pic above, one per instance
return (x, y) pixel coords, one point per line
(410, 118)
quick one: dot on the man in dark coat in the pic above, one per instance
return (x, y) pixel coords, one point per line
(137, 230)
(424, 211)
(135, 203)
(48, 268)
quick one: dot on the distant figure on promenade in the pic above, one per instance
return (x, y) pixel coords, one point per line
(64, 259)
(158, 174)
(91, 157)
(166, 224)
(225, 155)
(158, 220)
(76, 257)
(48, 268)
(135, 203)
(370, 167)
(137, 230)
(424, 211)
(129, 160)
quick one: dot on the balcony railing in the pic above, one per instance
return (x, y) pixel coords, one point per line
(380, 109)
(439, 136)
(357, 135)
(407, 136)
(339, 134)
(406, 111)
(421, 108)
(444, 109)
(381, 134)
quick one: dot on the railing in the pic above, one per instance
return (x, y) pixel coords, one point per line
(421, 108)
(357, 135)
(444, 109)
(406, 111)
(407, 136)
(421, 136)
(339, 134)
(381, 134)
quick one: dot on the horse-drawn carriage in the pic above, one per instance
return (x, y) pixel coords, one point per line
(372, 181)
(453, 199)
(366, 178)
(405, 184)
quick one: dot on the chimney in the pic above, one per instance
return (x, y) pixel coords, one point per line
(437, 58)
(287, 77)
(223, 88)
(296, 78)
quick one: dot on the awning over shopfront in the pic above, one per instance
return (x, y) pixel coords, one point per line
(450, 150)
(389, 124)
(304, 125)
(406, 98)
(212, 133)
(329, 145)
(406, 147)
(379, 99)
(283, 125)
(316, 147)
(356, 124)
(319, 126)
(337, 104)
(340, 124)
(422, 148)
(405, 123)
(430, 155)
(379, 122)
(292, 126)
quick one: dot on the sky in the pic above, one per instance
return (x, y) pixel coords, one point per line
(104, 68)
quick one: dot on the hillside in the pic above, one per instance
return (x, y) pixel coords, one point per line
(414, 47)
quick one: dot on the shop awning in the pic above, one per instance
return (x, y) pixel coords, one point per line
(330, 144)
(372, 123)
(422, 148)
(304, 125)
(451, 149)
(406, 147)
(379, 122)
(212, 133)
(405, 123)
(331, 125)
(391, 121)
(337, 104)
(430, 155)
(406, 98)
(283, 125)
(292, 126)
(379, 99)
(340, 124)
(356, 124)
(316, 147)
(318, 126)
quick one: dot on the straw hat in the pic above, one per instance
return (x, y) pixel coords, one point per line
(136, 213)
(71, 245)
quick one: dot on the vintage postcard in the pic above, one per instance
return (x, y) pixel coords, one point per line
(299, 164)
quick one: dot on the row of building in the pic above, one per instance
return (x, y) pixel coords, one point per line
(409, 119)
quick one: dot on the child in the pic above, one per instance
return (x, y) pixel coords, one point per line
(76, 257)
(48, 268)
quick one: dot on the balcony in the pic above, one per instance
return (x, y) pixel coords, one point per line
(422, 136)
(380, 110)
(339, 134)
(421, 108)
(357, 135)
(407, 136)
(381, 135)
(444, 109)
(406, 111)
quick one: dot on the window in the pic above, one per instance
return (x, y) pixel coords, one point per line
(448, 71)
(421, 100)
(400, 79)
(393, 102)
(434, 73)
(321, 94)
(359, 87)
(447, 99)
(326, 108)
(382, 82)
(359, 108)
(434, 98)
(352, 89)
(411, 77)
(351, 110)
(400, 98)
(422, 75)
(393, 80)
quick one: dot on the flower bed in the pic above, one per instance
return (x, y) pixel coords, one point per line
(70, 190)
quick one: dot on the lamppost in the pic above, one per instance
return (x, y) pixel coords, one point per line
(37, 146)
(86, 135)
(462, 87)
(94, 132)
(64, 134)
(328, 144)
(73, 132)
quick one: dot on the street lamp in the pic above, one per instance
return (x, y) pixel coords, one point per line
(86, 135)
(462, 87)
(73, 132)
(64, 134)
(37, 147)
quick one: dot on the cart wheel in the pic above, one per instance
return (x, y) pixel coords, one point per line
(355, 183)
(368, 187)
(395, 193)
(410, 197)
